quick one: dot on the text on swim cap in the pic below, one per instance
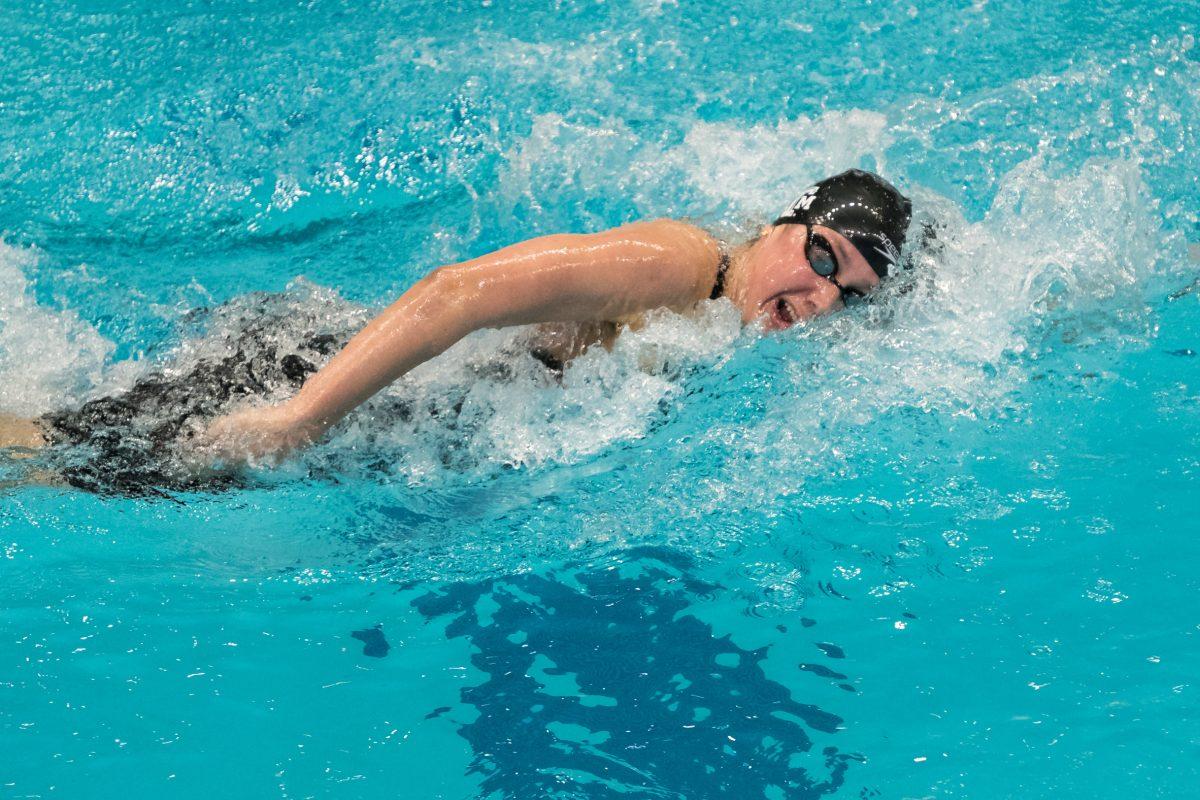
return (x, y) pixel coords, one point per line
(806, 199)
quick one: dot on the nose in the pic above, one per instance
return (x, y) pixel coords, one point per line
(794, 290)
(800, 303)
(811, 301)
(817, 291)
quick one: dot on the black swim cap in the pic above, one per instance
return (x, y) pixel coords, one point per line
(861, 206)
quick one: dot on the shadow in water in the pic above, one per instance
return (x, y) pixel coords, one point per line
(600, 684)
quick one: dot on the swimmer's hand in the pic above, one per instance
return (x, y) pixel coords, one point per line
(266, 434)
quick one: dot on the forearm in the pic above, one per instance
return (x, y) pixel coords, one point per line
(20, 432)
(424, 322)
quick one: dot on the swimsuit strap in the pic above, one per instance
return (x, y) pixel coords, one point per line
(719, 286)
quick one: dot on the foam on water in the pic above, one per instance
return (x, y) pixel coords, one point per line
(1061, 274)
(47, 356)
(1133, 107)
(726, 175)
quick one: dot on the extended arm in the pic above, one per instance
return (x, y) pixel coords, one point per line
(560, 278)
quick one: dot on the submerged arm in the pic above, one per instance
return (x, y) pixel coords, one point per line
(560, 278)
(20, 432)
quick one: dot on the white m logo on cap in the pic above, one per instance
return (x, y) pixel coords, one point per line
(806, 199)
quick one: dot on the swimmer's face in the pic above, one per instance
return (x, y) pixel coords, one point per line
(779, 285)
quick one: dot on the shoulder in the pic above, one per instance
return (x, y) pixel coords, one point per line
(688, 249)
(684, 234)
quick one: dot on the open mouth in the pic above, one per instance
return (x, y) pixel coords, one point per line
(781, 312)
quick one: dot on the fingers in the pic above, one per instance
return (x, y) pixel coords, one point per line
(258, 436)
(224, 440)
(233, 444)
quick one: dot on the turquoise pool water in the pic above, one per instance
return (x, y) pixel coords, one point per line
(943, 547)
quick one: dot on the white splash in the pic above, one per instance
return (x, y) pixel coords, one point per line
(48, 357)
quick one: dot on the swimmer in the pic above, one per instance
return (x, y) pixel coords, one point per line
(830, 248)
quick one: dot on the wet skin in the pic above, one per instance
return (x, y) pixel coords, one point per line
(773, 280)
(19, 432)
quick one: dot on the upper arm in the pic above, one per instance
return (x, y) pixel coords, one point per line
(588, 277)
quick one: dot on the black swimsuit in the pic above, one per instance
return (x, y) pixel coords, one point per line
(719, 286)
(127, 444)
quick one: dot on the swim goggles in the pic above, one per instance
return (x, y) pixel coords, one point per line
(821, 258)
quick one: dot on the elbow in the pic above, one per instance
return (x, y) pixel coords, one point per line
(448, 295)
(446, 285)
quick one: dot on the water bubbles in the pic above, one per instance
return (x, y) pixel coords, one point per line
(1103, 591)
